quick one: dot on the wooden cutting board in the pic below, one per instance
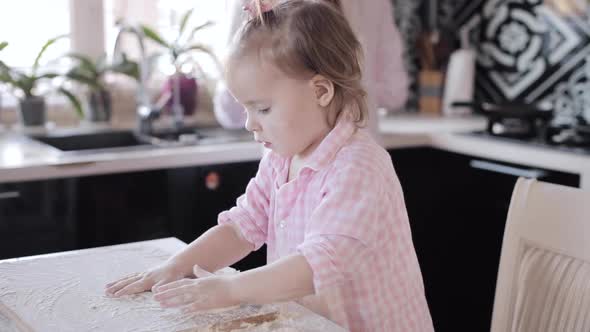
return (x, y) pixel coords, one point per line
(65, 292)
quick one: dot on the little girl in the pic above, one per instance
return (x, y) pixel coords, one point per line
(325, 200)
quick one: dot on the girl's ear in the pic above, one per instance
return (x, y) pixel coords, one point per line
(323, 89)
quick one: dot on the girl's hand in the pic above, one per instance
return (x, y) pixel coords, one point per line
(141, 282)
(206, 292)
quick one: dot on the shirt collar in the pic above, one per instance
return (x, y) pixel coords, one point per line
(332, 143)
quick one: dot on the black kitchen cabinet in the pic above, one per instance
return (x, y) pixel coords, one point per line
(198, 194)
(37, 217)
(122, 208)
(457, 207)
(180, 202)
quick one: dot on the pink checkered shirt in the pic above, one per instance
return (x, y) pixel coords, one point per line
(345, 213)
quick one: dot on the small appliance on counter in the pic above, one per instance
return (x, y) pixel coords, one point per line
(532, 124)
(459, 82)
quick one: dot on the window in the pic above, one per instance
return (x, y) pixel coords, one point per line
(27, 24)
(164, 16)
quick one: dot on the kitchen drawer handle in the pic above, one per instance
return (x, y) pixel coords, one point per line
(9, 195)
(509, 170)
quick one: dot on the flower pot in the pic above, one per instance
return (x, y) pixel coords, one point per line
(99, 106)
(32, 111)
(188, 93)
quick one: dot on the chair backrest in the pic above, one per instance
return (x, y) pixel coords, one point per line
(544, 275)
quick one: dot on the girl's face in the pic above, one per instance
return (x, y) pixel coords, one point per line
(282, 112)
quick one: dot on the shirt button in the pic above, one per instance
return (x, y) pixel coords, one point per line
(282, 224)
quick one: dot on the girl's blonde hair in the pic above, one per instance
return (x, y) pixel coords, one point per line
(308, 37)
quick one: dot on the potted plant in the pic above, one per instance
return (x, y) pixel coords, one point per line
(180, 90)
(92, 73)
(32, 105)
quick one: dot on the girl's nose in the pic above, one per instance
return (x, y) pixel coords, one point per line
(251, 124)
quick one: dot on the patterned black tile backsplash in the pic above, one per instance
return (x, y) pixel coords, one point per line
(410, 25)
(527, 52)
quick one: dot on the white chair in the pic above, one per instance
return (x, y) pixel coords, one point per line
(544, 275)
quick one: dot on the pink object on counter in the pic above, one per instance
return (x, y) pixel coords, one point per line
(188, 93)
(386, 79)
(345, 213)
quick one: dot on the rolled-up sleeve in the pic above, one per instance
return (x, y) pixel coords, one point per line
(250, 215)
(342, 231)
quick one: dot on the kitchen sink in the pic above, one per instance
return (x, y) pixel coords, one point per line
(93, 141)
(78, 141)
(203, 136)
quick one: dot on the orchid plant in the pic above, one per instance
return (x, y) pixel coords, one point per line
(27, 83)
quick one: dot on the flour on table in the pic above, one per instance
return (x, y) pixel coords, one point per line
(66, 293)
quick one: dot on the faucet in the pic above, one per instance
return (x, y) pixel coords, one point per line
(146, 111)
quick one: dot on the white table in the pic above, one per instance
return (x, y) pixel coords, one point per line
(65, 292)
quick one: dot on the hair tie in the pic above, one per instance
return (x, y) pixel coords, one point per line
(253, 9)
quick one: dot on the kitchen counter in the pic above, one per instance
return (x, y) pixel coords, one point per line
(65, 292)
(453, 135)
(23, 159)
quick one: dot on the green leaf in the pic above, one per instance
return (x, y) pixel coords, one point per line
(26, 83)
(73, 100)
(85, 62)
(46, 75)
(81, 77)
(47, 44)
(5, 77)
(183, 23)
(13, 77)
(128, 68)
(151, 34)
(3, 45)
(5, 73)
(79, 71)
(124, 66)
(196, 29)
(121, 59)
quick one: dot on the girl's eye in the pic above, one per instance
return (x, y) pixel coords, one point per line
(264, 111)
